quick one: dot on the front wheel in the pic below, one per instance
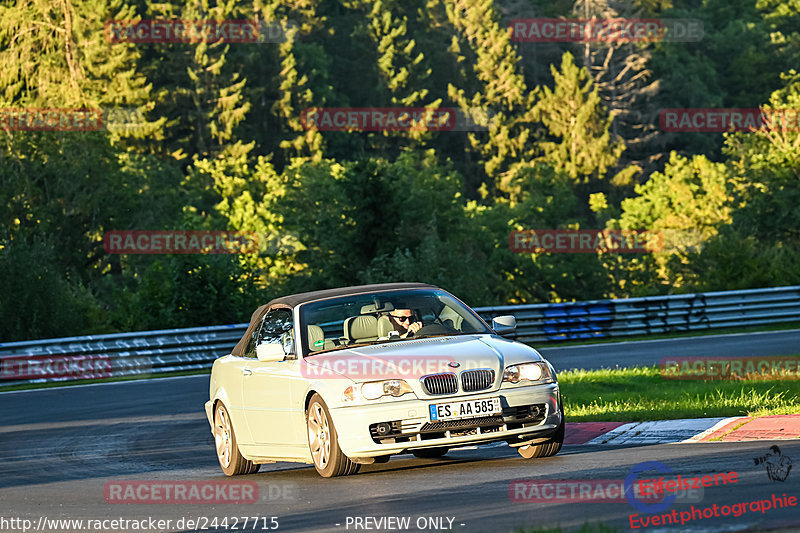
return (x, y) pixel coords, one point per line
(545, 449)
(323, 442)
(228, 454)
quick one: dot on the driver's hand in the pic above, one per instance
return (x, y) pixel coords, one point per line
(415, 327)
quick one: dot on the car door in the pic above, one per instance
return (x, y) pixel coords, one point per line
(272, 411)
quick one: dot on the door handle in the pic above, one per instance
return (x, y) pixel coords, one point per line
(246, 371)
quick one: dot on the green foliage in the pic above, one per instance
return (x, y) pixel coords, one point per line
(686, 205)
(38, 299)
(219, 145)
(584, 147)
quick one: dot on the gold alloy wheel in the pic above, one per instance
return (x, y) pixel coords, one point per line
(222, 436)
(319, 436)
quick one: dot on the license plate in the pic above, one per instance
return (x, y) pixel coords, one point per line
(465, 409)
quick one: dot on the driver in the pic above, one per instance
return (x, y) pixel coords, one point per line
(401, 321)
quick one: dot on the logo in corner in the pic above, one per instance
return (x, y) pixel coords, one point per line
(778, 465)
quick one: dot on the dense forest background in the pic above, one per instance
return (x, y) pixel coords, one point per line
(573, 142)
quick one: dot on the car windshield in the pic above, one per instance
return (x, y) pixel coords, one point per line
(388, 316)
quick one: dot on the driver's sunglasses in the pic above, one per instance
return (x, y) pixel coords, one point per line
(401, 318)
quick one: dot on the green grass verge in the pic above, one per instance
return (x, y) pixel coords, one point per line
(586, 528)
(640, 394)
(67, 383)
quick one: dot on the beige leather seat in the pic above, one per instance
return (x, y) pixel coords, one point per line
(315, 335)
(450, 318)
(363, 328)
(384, 326)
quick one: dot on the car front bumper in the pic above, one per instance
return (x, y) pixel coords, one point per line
(529, 412)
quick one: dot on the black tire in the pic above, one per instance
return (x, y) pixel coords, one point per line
(230, 458)
(430, 453)
(545, 449)
(323, 442)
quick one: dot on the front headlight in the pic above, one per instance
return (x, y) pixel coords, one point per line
(372, 390)
(528, 372)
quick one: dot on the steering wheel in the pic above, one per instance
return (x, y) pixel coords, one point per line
(435, 329)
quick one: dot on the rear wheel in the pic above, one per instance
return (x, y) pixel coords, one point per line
(545, 449)
(323, 442)
(228, 454)
(430, 453)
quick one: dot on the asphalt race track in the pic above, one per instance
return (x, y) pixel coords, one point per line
(61, 447)
(650, 352)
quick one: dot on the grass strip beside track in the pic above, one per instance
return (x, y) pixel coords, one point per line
(585, 528)
(639, 394)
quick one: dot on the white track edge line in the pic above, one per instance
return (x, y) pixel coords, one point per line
(102, 384)
(673, 339)
(722, 423)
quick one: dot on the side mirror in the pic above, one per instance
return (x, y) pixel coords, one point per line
(504, 325)
(270, 352)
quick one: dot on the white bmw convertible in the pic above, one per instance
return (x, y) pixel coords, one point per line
(350, 376)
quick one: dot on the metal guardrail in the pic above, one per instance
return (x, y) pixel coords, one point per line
(122, 354)
(173, 350)
(678, 313)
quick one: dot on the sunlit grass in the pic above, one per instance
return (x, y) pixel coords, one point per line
(640, 393)
(586, 528)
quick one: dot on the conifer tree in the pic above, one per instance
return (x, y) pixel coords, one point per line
(581, 143)
(200, 87)
(498, 87)
(296, 86)
(624, 81)
(401, 67)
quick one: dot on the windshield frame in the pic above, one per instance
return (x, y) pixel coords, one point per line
(301, 323)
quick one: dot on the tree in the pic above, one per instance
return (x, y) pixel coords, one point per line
(762, 246)
(498, 86)
(686, 205)
(624, 81)
(573, 114)
(200, 89)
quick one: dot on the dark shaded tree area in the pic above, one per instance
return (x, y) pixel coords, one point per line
(566, 137)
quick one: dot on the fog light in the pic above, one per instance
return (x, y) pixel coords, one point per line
(383, 428)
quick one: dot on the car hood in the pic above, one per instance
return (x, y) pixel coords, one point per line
(415, 358)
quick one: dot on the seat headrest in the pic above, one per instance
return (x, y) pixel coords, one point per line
(315, 334)
(362, 327)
